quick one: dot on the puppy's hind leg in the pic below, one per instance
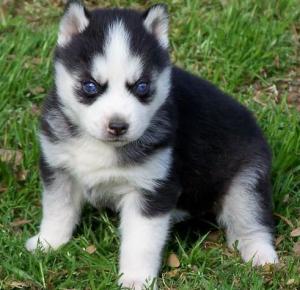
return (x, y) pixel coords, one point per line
(61, 209)
(246, 214)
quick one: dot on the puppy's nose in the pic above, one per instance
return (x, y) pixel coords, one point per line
(117, 127)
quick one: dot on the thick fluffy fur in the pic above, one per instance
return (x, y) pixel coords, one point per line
(189, 147)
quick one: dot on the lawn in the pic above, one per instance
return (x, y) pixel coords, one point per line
(249, 48)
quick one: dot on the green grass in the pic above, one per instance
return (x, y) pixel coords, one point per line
(237, 45)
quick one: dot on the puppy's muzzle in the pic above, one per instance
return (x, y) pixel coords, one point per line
(117, 127)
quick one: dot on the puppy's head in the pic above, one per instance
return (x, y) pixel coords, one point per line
(112, 69)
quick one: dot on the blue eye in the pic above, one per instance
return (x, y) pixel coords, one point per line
(142, 89)
(90, 88)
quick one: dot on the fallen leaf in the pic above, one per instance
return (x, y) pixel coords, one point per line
(11, 56)
(19, 222)
(290, 282)
(297, 249)
(173, 261)
(22, 175)
(11, 156)
(279, 266)
(268, 268)
(36, 60)
(35, 110)
(214, 236)
(286, 220)
(3, 189)
(295, 232)
(277, 61)
(279, 240)
(91, 249)
(286, 198)
(257, 100)
(26, 65)
(18, 284)
(37, 90)
(224, 3)
(172, 273)
(210, 245)
(229, 252)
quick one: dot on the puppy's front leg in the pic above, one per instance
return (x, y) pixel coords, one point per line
(62, 201)
(142, 241)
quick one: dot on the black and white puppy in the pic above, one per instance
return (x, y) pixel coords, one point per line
(126, 129)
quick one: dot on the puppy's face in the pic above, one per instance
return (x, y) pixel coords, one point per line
(112, 70)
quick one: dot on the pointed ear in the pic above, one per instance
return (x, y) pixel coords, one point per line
(156, 21)
(74, 21)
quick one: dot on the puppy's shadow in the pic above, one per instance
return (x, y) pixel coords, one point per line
(96, 220)
(189, 231)
(193, 229)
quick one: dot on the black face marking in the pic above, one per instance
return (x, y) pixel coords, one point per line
(52, 111)
(142, 90)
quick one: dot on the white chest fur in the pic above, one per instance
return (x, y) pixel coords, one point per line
(94, 165)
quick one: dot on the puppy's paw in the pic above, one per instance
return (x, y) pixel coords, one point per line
(137, 284)
(260, 254)
(36, 242)
(45, 243)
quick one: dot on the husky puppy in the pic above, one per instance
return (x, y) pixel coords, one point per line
(125, 129)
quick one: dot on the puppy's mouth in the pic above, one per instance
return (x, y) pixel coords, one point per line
(117, 141)
(112, 141)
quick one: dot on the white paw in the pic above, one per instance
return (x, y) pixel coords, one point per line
(135, 284)
(36, 242)
(260, 254)
(44, 243)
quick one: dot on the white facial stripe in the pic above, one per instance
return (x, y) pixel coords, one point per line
(117, 66)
